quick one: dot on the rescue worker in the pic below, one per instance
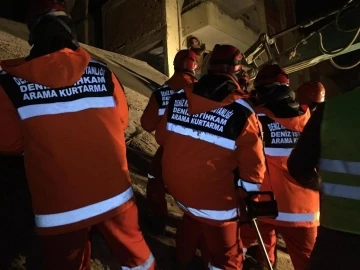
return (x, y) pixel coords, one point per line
(67, 112)
(330, 141)
(283, 121)
(184, 64)
(310, 94)
(212, 154)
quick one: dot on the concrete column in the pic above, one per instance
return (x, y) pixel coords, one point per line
(172, 33)
(261, 15)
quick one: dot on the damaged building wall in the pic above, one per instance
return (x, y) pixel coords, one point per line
(148, 30)
(127, 25)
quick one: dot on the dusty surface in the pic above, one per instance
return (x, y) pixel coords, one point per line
(17, 239)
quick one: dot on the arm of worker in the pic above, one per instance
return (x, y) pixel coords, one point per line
(11, 135)
(161, 132)
(152, 115)
(305, 157)
(121, 102)
(250, 155)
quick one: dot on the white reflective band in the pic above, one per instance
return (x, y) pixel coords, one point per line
(248, 186)
(278, 152)
(245, 104)
(161, 112)
(150, 176)
(292, 217)
(145, 266)
(93, 210)
(180, 91)
(211, 214)
(261, 114)
(201, 135)
(164, 86)
(340, 166)
(66, 107)
(211, 267)
(57, 13)
(341, 191)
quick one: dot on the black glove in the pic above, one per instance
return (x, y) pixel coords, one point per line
(157, 224)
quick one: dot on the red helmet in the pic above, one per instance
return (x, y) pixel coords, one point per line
(271, 75)
(185, 60)
(225, 59)
(39, 8)
(310, 92)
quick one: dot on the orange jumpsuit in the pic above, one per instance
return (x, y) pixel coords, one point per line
(298, 207)
(212, 144)
(154, 111)
(67, 113)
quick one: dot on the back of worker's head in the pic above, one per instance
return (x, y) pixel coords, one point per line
(225, 59)
(272, 84)
(310, 93)
(185, 61)
(51, 29)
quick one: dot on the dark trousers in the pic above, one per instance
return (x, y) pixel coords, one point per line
(155, 190)
(335, 250)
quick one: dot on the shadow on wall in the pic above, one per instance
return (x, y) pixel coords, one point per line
(14, 10)
(154, 57)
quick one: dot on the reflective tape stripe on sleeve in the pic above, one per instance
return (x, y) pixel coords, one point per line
(211, 267)
(150, 176)
(245, 104)
(66, 107)
(278, 152)
(145, 266)
(248, 186)
(211, 214)
(340, 166)
(201, 135)
(161, 111)
(69, 217)
(293, 217)
(341, 191)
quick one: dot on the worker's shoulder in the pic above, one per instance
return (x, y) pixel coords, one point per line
(163, 88)
(98, 66)
(97, 61)
(246, 103)
(4, 76)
